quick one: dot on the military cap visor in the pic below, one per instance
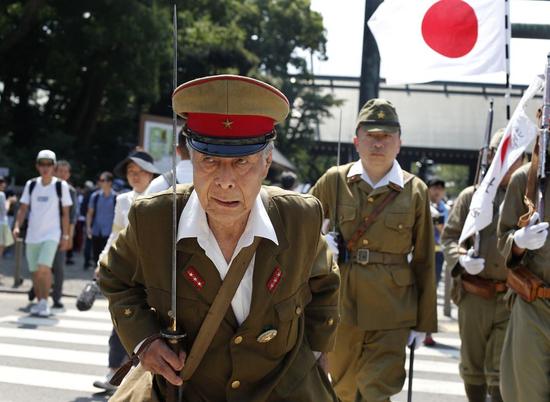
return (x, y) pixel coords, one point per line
(229, 115)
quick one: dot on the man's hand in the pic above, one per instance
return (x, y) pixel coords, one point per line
(158, 358)
(323, 362)
(472, 265)
(64, 244)
(89, 232)
(533, 236)
(16, 232)
(417, 338)
(332, 241)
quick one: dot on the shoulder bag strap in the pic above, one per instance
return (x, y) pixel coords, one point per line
(218, 309)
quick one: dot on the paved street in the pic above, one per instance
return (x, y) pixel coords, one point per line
(52, 359)
(57, 359)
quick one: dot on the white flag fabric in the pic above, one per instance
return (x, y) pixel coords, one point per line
(518, 134)
(429, 40)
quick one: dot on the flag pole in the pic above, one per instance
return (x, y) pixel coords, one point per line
(508, 33)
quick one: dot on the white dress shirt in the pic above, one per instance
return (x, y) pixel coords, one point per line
(123, 203)
(193, 224)
(184, 174)
(395, 175)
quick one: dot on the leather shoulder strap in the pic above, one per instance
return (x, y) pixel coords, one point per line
(218, 309)
(394, 192)
(530, 189)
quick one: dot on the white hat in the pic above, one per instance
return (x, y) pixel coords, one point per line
(46, 154)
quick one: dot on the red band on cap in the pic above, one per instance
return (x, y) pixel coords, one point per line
(229, 126)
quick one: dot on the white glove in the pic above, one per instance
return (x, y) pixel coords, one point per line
(472, 265)
(417, 337)
(330, 238)
(533, 236)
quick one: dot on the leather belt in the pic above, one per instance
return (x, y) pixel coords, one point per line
(500, 287)
(365, 256)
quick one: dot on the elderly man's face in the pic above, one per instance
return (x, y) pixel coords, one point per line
(227, 187)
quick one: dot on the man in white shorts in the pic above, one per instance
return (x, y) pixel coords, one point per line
(48, 201)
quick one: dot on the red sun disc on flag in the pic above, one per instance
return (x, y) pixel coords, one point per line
(450, 28)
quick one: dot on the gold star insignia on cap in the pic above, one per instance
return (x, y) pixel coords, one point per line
(381, 115)
(227, 123)
(127, 312)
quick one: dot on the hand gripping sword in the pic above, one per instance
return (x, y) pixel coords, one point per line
(172, 334)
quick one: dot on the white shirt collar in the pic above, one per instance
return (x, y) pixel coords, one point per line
(193, 223)
(395, 175)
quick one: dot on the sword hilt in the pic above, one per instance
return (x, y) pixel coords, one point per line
(174, 339)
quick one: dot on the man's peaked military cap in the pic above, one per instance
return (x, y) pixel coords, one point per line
(229, 115)
(378, 115)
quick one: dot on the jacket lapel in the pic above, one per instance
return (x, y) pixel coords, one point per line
(193, 262)
(266, 263)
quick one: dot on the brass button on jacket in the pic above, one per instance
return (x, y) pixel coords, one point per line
(235, 384)
(238, 340)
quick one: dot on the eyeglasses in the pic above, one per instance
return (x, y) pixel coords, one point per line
(104, 181)
(45, 164)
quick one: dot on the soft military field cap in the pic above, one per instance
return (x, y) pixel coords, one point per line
(46, 154)
(378, 115)
(229, 115)
(140, 158)
(495, 140)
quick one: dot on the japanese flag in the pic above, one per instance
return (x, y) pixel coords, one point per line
(518, 134)
(430, 40)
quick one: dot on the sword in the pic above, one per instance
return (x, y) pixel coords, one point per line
(411, 366)
(484, 164)
(543, 141)
(172, 334)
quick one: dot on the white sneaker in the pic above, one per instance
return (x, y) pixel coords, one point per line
(35, 308)
(44, 310)
(105, 383)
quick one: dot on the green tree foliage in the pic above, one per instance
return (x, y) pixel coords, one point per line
(76, 75)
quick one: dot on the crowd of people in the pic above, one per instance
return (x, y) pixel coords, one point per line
(275, 289)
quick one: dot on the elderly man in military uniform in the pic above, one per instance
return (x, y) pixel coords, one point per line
(525, 359)
(284, 311)
(479, 287)
(388, 277)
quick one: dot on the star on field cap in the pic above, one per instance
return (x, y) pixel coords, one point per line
(378, 115)
(229, 115)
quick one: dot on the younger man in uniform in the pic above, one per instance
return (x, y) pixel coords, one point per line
(525, 360)
(479, 286)
(388, 277)
(286, 304)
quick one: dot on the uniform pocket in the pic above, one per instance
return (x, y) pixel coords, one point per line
(402, 277)
(288, 312)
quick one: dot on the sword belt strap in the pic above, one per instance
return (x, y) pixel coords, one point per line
(371, 218)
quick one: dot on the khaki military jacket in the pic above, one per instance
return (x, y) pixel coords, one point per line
(378, 296)
(495, 266)
(302, 306)
(512, 209)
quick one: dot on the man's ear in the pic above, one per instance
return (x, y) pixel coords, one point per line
(268, 161)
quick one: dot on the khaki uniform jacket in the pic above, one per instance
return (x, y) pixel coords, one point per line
(495, 267)
(303, 307)
(513, 208)
(378, 296)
